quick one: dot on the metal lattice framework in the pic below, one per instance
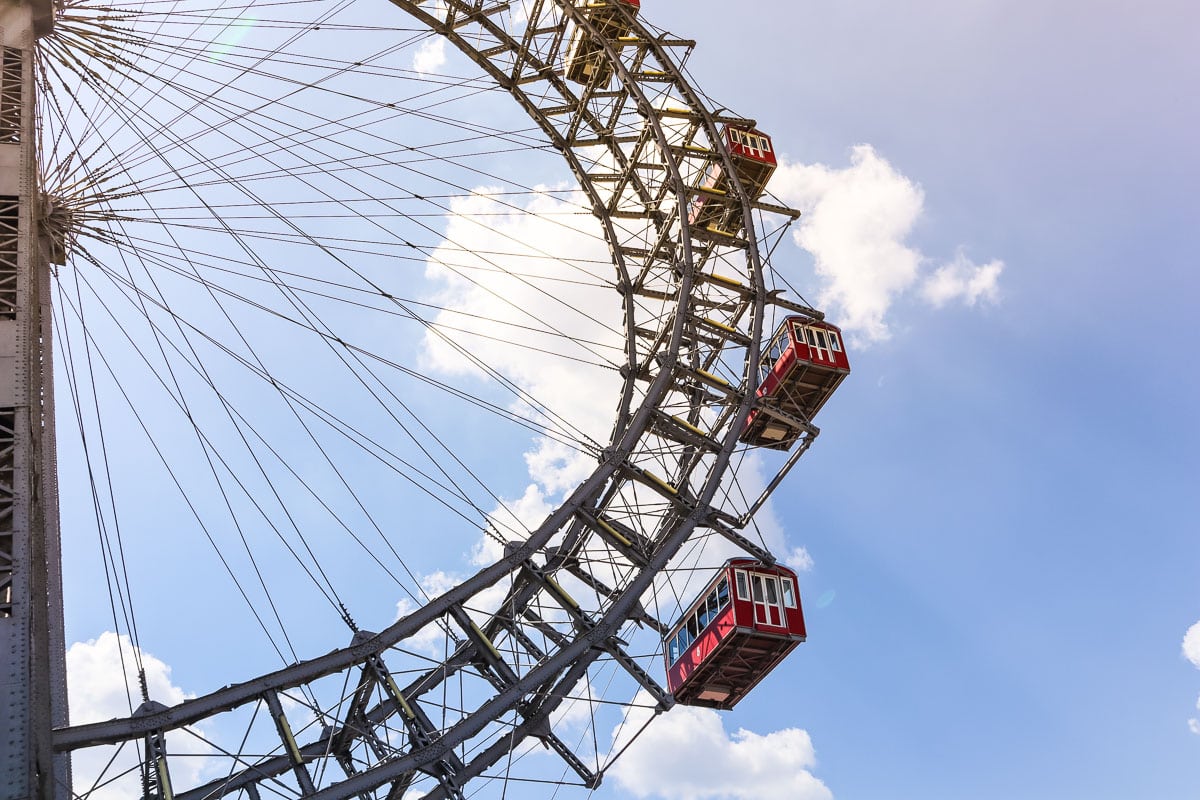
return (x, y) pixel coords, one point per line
(694, 309)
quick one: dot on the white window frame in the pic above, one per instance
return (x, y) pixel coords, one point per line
(743, 584)
(788, 588)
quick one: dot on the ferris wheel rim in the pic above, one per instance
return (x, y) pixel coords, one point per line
(611, 464)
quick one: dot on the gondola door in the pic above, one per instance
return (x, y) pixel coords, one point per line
(768, 609)
(820, 344)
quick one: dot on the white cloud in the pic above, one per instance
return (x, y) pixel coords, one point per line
(799, 559)
(534, 282)
(557, 466)
(521, 11)
(579, 708)
(430, 56)
(856, 225)
(1191, 651)
(531, 283)
(688, 755)
(430, 640)
(963, 280)
(99, 689)
(1191, 645)
(437, 583)
(526, 512)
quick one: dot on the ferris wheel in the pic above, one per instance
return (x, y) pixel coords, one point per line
(297, 219)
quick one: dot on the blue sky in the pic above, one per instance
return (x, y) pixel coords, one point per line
(1003, 498)
(1001, 509)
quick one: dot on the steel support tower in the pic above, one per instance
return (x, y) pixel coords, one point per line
(33, 691)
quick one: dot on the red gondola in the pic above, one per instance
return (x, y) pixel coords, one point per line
(753, 157)
(746, 620)
(801, 367)
(586, 62)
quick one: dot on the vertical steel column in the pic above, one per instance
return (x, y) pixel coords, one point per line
(32, 670)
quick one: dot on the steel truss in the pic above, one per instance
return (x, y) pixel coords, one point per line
(693, 316)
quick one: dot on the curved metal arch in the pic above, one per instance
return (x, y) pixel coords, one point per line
(697, 107)
(479, 12)
(569, 663)
(415, 9)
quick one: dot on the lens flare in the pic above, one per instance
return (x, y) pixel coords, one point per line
(230, 37)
